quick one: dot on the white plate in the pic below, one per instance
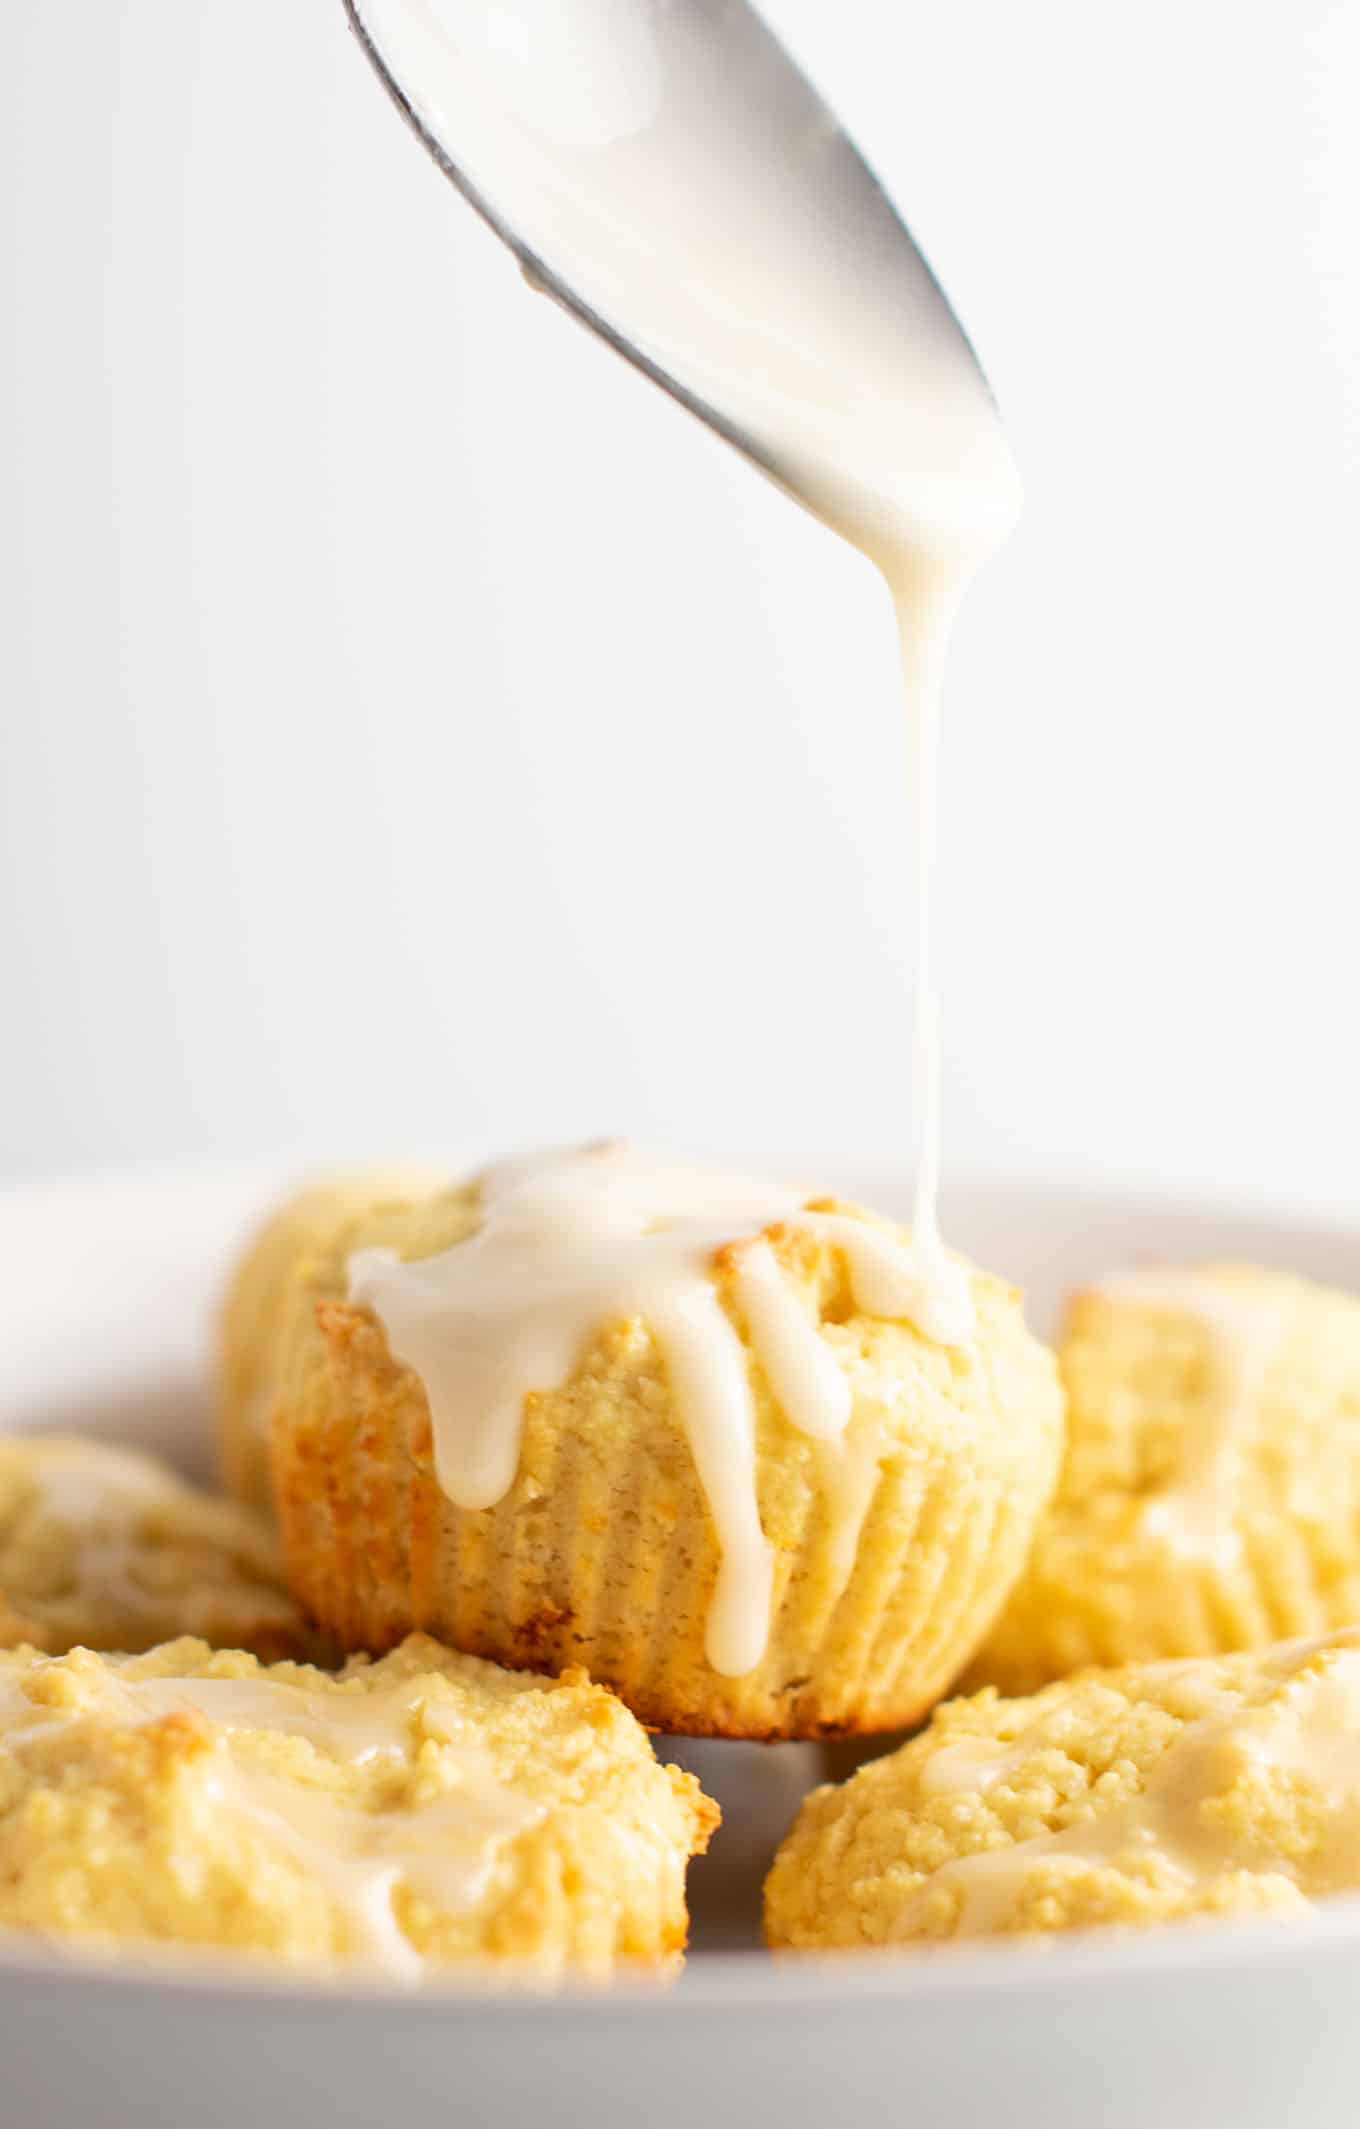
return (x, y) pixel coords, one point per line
(109, 1291)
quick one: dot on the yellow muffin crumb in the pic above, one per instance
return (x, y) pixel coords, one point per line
(421, 1812)
(1213, 1786)
(103, 1546)
(1210, 1495)
(893, 1546)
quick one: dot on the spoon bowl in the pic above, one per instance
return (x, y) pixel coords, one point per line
(663, 170)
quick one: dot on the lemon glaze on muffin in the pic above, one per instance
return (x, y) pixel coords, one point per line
(1212, 1786)
(422, 1812)
(1210, 1492)
(103, 1546)
(685, 1432)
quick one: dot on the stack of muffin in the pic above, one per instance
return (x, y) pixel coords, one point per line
(461, 1774)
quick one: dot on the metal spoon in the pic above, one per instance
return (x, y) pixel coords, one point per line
(655, 165)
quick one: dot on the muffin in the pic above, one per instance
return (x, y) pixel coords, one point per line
(272, 1278)
(1222, 1785)
(109, 1548)
(745, 1456)
(1210, 1494)
(421, 1813)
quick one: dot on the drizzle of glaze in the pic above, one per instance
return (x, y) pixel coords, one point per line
(1194, 1514)
(569, 1242)
(970, 1766)
(1309, 1733)
(443, 1850)
(356, 1729)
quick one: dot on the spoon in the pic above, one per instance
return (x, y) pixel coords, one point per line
(663, 169)
(665, 172)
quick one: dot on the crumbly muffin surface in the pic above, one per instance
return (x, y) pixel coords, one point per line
(893, 1547)
(1210, 1493)
(1163, 1791)
(423, 1811)
(105, 1547)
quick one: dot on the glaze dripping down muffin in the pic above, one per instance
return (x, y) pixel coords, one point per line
(736, 1451)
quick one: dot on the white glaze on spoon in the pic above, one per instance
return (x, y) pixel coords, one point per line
(574, 1241)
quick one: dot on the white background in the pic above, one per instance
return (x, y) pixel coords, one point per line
(415, 729)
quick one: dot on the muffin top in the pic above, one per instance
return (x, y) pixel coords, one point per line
(103, 1546)
(422, 1810)
(498, 1292)
(1211, 1786)
(1211, 1483)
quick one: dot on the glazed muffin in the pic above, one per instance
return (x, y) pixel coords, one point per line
(272, 1282)
(1210, 1494)
(108, 1548)
(420, 1813)
(742, 1455)
(1216, 1786)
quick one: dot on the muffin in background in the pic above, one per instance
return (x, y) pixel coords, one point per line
(1162, 1792)
(108, 1548)
(1210, 1492)
(890, 1548)
(419, 1814)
